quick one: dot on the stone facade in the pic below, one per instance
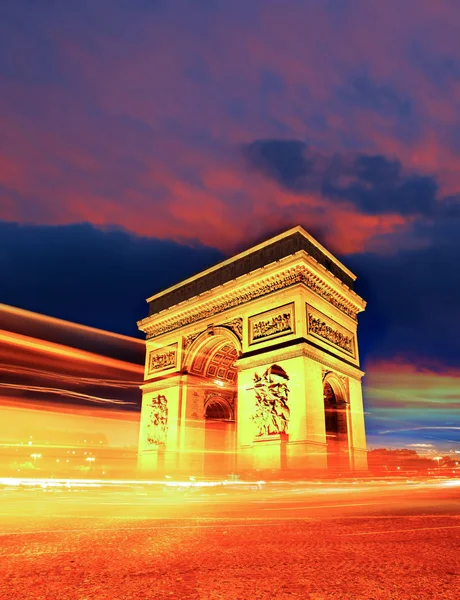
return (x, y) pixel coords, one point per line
(265, 335)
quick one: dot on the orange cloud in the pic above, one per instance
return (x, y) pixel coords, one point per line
(145, 132)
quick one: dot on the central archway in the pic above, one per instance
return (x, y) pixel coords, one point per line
(211, 361)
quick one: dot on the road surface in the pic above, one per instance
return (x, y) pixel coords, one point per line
(361, 542)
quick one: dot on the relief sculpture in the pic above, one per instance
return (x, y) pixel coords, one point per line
(164, 359)
(319, 327)
(280, 323)
(236, 325)
(157, 428)
(264, 288)
(272, 412)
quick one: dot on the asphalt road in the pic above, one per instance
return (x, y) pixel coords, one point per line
(350, 542)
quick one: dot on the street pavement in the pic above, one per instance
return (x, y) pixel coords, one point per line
(358, 541)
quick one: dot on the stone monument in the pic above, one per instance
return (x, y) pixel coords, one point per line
(253, 365)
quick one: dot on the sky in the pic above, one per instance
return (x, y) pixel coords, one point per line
(144, 140)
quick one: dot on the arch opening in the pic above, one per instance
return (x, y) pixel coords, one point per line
(211, 361)
(218, 409)
(336, 424)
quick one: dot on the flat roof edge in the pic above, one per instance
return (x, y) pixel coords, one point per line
(228, 261)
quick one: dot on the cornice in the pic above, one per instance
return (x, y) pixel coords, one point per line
(303, 349)
(211, 305)
(272, 250)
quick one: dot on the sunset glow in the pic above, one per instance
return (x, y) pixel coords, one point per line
(229, 300)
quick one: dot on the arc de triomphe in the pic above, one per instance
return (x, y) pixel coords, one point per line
(253, 364)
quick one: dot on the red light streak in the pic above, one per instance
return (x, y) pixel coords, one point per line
(43, 373)
(63, 392)
(59, 350)
(46, 320)
(62, 388)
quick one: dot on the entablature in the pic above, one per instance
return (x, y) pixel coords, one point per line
(296, 269)
(301, 348)
(286, 244)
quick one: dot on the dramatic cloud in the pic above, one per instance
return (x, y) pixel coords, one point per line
(283, 160)
(134, 114)
(373, 184)
(378, 186)
(383, 99)
(405, 403)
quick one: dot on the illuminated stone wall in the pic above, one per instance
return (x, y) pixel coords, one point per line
(266, 342)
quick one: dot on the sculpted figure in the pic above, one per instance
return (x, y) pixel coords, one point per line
(272, 412)
(158, 427)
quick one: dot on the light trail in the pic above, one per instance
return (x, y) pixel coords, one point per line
(61, 324)
(420, 428)
(63, 392)
(308, 507)
(66, 386)
(66, 482)
(80, 380)
(323, 487)
(52, 348)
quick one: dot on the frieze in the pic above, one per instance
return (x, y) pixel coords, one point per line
(270, 327)
(321, 326)
(270, 324)
(336, 362)
(163, 359)
(274, 284)
(256, 259)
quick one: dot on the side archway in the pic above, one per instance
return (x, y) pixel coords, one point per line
(218, 408)
(337, 423)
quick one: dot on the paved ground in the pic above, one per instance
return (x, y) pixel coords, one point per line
(352, 544)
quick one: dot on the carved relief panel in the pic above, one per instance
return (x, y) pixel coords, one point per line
(271, 324)
(325, 329)
(272, 413)
(162, 359)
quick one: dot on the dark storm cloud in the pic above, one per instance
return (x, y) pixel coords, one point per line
(97, 278)
(129, 112)
(282, 160)
(373, 184)
(380, 186)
